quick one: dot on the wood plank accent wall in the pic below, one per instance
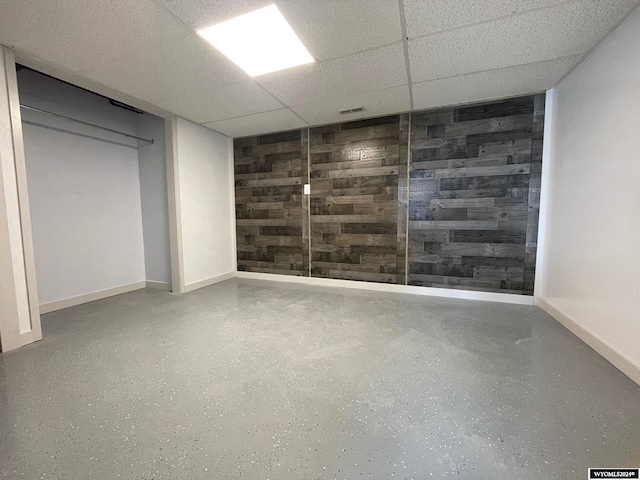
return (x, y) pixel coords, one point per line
(269, 213)
(355, 169)
(474, 196)
(456, 188)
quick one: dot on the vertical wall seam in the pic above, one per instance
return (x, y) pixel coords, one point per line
(405, 48)
(406, 233)
(309, 198)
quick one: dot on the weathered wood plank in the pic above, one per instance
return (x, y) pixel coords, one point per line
(454, 225)
(483, 249)
(462, 202)
(355, 172)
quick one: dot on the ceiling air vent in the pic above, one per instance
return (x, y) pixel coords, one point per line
(351, 110)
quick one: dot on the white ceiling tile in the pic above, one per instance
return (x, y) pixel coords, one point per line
(560, 31)
(204, 13)
(267, 122)
(328, 28)
(335, 28)
(436, 15)
(494, 84)
(75, 35)
(151, 53)
(166, 71)
(356, 74)
(217, 104)
(378, 103)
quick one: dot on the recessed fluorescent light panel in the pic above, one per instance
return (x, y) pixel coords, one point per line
(258, 42)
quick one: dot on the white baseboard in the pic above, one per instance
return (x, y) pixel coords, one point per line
(613, 355)
(90, 297)
(208, 281)
(384, 287)
(158, 285)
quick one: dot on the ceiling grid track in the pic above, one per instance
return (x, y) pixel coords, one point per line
(405, 46)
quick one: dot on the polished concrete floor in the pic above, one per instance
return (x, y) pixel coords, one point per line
(258, 380)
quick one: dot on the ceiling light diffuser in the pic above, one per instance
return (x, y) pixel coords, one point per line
(258, 42)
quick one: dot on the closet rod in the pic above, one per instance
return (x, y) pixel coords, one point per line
(85, 123)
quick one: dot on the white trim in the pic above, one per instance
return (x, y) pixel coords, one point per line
(544, 215)
(234, 230)
(384, 287)
(90, 297)
(618, 359)
(23, 195)
(173, 196)
(158, 285)
(208, 281)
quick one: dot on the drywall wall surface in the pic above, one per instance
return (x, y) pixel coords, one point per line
(84, 190)
(591, 259)
(205, 175)
(153, 196)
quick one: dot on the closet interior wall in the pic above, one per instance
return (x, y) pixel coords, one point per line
(444, 198)
(98, 199)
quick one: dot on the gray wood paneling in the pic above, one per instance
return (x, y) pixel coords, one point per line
(270, 217)
(474, 196)
(446, 198)
(355, 209)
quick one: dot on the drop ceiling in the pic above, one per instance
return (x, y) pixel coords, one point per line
(388, 56)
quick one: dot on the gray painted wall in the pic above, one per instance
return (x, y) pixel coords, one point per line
(87, 190)
(153, 194)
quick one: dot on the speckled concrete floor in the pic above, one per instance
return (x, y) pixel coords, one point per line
(259, 380)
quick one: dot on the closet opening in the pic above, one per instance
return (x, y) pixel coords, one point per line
(97, 189)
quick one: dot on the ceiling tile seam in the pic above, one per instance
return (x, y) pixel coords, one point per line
(357, 118)
(346, 98)
(493, 19)
(282, 105)
(499, 68)
(266, 90)
(191, 30)
(405, 48)
(307, 123)
(588, 52)
(243, 116)
(208, 128)
(478, 102)
(366, 50)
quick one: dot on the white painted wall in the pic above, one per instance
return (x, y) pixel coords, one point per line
(153, 195)
(590, 259)
(204, 161)
(85, 193)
